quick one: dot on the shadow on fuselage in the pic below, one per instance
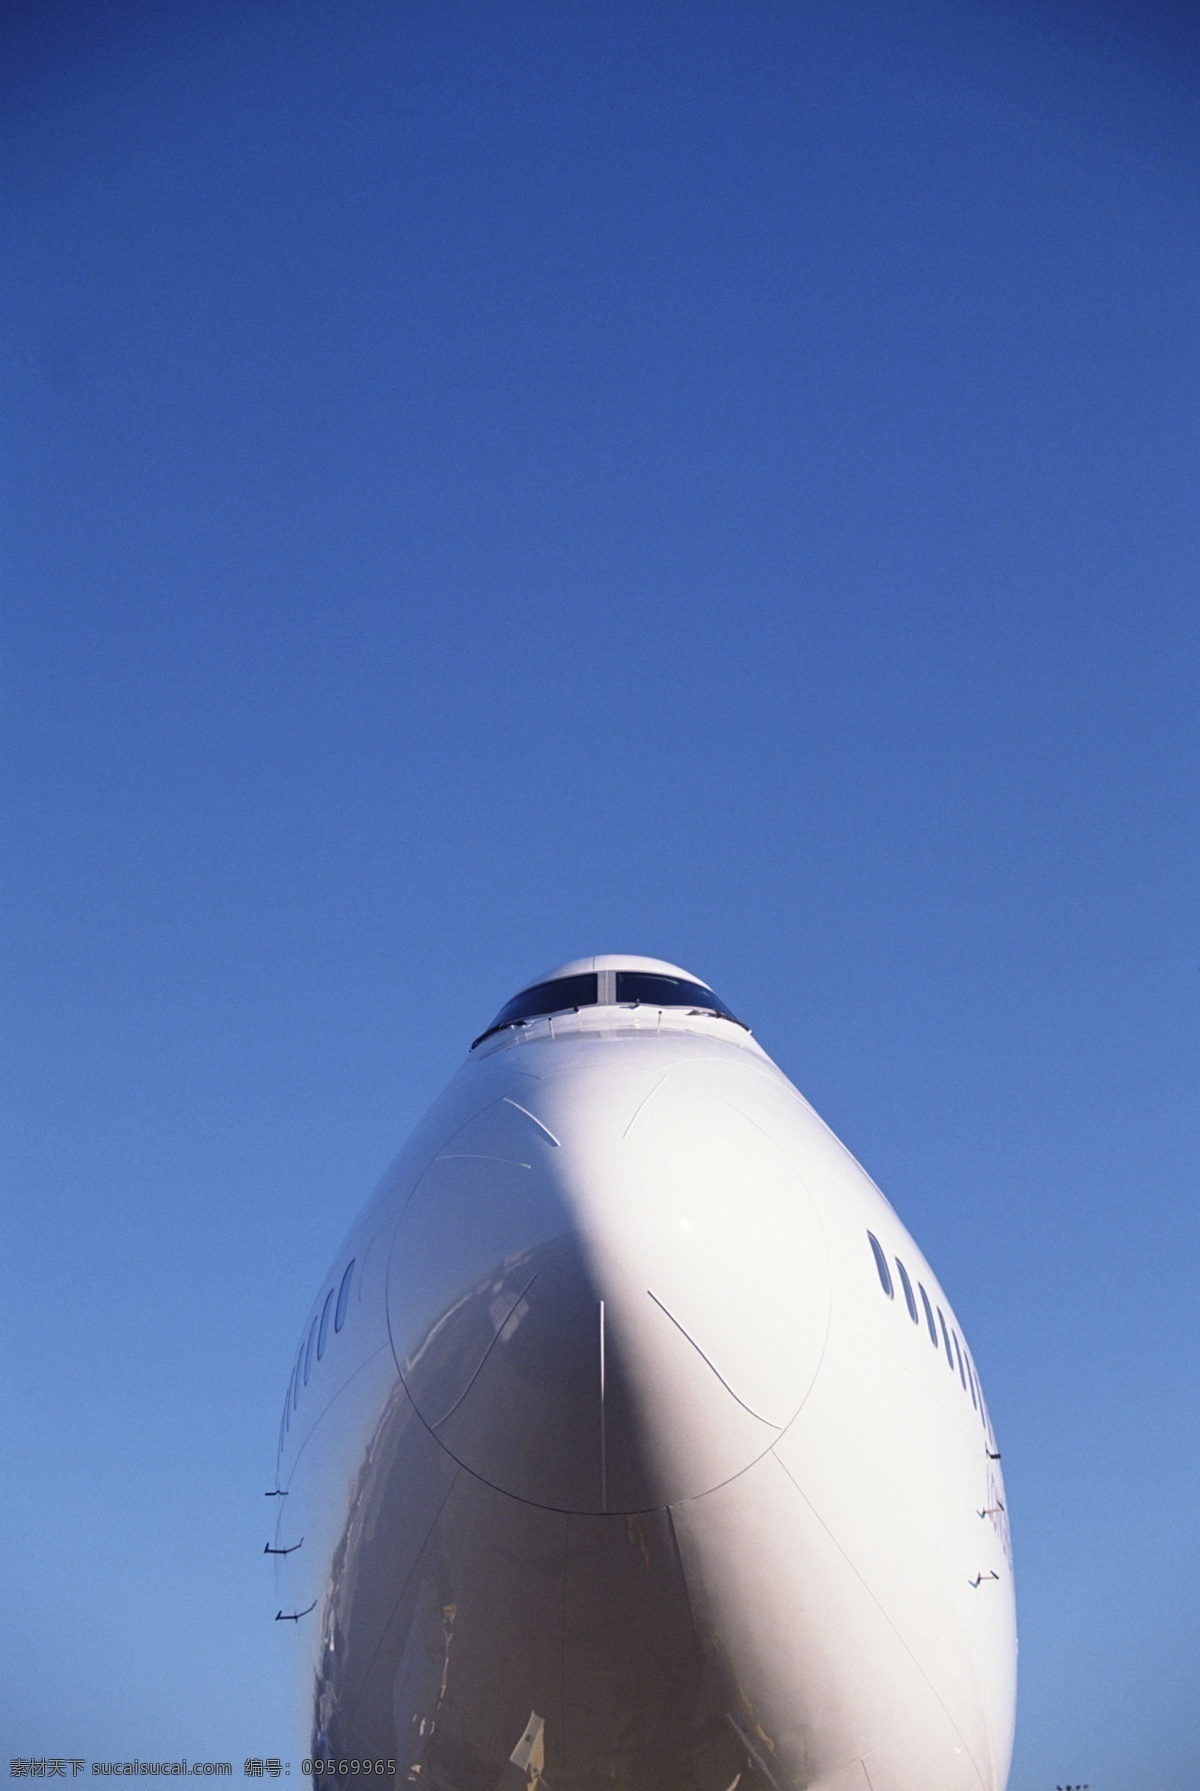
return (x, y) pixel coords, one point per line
(460, 1613)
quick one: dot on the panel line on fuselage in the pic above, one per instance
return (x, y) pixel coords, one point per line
(887, 1617)
(638, 1110)
(496, 1336)
(417, 1560)
(478, 1156)
(335, 1395)
(686, 1333)
(508, 1101)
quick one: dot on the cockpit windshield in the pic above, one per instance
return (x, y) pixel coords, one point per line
(641, 988)
(558, 997)
(633, 988)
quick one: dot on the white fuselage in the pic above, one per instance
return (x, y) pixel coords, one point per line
(622, 1468)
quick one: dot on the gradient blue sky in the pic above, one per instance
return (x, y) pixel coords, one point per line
(485, 484)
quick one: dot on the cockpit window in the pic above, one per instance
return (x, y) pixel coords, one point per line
(556, 997)
(634, 988)
(645, 988)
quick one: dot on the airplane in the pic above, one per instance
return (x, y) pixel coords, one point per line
(631, 1444)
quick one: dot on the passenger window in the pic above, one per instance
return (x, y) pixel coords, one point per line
(308, 1353)
(339, 1317)
(928, 1315)
(906, 1284)
(885, 1279)
(971, 1380)
(962, 1373)
(946, 1339)
(323, 1333)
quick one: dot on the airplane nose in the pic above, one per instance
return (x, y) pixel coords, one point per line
(599, 1316)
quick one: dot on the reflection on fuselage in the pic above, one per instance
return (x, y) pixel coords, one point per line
(613, 1458)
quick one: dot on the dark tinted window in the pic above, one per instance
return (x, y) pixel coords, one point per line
(946, 1336)
(308, 1353)
(906, 1284)
(641, 986)
(971, 1379)
(885, 1279)
(339, 1317)
(545, 998)
(928, 1315)
(323, 1333)
(962, 1373)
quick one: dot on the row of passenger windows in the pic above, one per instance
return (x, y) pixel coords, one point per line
(313, 1347)
(940, 1333)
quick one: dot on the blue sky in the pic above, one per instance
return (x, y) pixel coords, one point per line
(489, 484)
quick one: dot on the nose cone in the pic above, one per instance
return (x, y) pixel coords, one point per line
(614, 1294)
